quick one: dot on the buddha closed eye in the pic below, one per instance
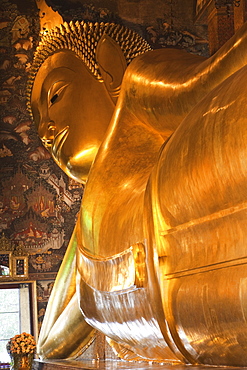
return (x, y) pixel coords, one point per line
(54, 98)
(56, 92)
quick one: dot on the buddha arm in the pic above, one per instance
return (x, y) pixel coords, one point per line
(163, 86)
(64, 332)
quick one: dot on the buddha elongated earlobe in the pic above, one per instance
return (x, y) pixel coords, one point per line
(112, 64)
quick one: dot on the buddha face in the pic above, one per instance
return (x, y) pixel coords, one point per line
(72, 111)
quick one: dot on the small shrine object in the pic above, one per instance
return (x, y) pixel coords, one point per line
(13, 260)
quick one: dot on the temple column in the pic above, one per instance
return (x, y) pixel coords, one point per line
(222, 17)
(220, 27)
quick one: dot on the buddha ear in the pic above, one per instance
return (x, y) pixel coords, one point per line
(112, 65)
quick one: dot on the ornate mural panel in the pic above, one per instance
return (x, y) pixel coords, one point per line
(38, 203)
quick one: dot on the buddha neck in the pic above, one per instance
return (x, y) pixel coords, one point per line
(114, 193)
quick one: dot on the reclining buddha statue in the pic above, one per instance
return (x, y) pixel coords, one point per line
(157, 260)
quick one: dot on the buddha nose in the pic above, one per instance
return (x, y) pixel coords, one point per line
(46, 132)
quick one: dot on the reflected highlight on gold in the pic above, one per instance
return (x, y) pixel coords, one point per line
(157, 260)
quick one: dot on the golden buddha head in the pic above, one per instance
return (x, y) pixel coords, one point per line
(73, 87)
